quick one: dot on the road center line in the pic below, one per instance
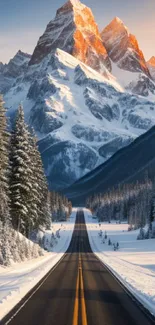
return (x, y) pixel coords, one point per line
(83, 304)
(79, 294)
(76, 304)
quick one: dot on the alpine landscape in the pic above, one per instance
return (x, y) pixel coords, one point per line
(77, 175)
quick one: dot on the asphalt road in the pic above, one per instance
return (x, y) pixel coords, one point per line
(79, 291)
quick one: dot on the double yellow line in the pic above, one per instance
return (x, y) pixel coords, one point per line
(79, 298)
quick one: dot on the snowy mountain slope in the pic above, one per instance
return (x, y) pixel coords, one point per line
(14, 69)
(75, 31)
(124, 77)
(80, 116)
(128, 63)
(151, 67)
(134, 82)
(130, 164)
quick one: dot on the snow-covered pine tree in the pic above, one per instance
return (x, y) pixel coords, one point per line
(39, 189)
(15, 246)
(34, 197)
(4, 165)
(69, 208)
(6, 245)
(52, 204)
(1, 242)
(61, 211)
(29, 191)
(48, 212)
(20, 186)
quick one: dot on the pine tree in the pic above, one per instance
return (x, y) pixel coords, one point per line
(47, 212)
(42, 199)
(34, 197)
(15, 247)
(6, 250)
(20, 185)
(1, 243)
(4, 165)
(69, 208)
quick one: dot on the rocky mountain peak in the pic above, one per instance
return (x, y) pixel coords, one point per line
(74, 31)
(20, 58)
(118, 20)
(24, 54)
(152, 61)
(115, 30)
(17, 65)
(118, 24)
(123, 47)
(151, 67)
(75, 2)
(71, 5)
(1, 67)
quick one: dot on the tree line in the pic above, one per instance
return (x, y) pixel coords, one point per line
(60, 206)
(134, 203)
(26, 205)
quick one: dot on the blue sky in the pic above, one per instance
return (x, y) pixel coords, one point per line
(23, 21)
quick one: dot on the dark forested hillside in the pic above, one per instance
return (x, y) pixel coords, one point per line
(127, 165)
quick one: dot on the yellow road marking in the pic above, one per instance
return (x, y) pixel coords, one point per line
(76, 304)
(83, 304)
(79, 289)
(79, 293)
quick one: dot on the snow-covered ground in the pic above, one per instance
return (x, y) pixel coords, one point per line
(17, 280)
(133, 263)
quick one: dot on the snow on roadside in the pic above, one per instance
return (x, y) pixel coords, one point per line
(133, 264)
(16, 281)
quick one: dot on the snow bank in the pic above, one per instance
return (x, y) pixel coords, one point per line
(16, 281)
(133, 264)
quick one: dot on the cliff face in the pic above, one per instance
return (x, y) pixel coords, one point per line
(75, 31)
(123, 48)
(151, 67)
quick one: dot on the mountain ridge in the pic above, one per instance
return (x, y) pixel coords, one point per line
(123, 47)
(151, 67)
(81, 116)
(15, 68)
(128, 164)
(75, 31)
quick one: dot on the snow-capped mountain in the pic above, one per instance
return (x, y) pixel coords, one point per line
(131, 164)
(81, 116)
(75, 31)
(123, 48)
(128, 63)
(151, 67)
(17, 65)
(11, 71)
